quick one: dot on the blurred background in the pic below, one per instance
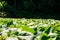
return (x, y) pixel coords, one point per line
(30, 9)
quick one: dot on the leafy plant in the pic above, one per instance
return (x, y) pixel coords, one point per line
(39, 29)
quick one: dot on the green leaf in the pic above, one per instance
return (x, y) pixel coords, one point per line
(58, 28)
(12, 26)
(26, 28)
(9, 22)
(47, 30)
(43, 36)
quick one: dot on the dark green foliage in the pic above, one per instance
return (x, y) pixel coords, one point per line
(44, 38)
(42, 29)
(32, 8)
(47, 31)
(9, 22)
(57, 38)
(0, 26)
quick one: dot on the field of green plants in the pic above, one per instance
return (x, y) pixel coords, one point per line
(29, 29)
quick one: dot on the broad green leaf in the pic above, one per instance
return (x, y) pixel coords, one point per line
(26, 28)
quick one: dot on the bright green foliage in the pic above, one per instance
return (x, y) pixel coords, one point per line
(26, 28)
(39, 29)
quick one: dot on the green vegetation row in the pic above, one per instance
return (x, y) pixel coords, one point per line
(29, 29)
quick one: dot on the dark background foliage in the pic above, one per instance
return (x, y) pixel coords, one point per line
(32, 8)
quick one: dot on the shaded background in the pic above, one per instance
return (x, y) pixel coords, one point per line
(30, 8)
